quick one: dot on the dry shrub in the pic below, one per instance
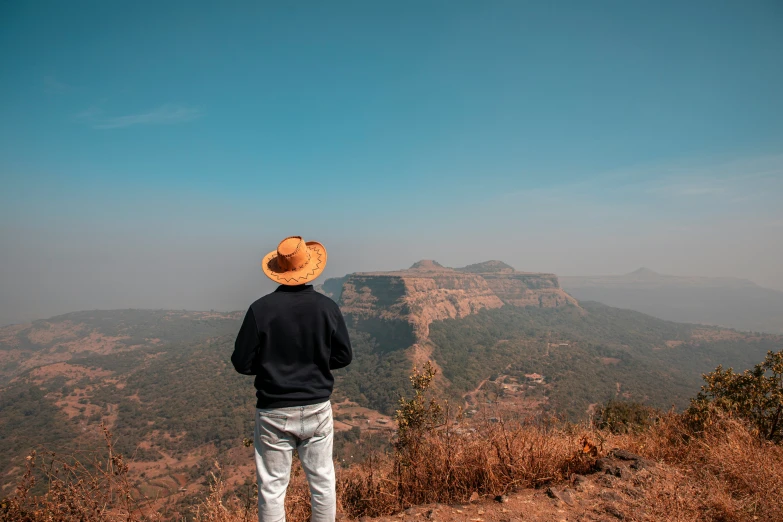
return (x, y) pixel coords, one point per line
(725, 472)
(457, 460)
(490, 459)
(719, 470)
(366, 489)
(439, 460)
(75, 491)
(297, 499)
(223, 504)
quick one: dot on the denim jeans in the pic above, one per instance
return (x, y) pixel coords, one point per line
(309, 430)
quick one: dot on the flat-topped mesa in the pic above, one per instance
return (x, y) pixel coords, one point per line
(522, 288)
(429, 292)
(419, 295)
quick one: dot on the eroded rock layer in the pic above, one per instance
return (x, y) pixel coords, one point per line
(408, 301)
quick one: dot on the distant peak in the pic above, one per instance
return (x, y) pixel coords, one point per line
(643, 272)
(488, 267)
(426, 264)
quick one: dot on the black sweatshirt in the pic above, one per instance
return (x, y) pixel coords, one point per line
(290, 340)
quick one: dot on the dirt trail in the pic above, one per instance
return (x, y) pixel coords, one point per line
(472, 393)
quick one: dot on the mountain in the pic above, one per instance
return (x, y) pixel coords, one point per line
(389, 315)
(161, 380)
(410, 300)
(490, 326)
(724, 301)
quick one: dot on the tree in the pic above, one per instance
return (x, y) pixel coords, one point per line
(624, 417)
(417, 416)
(755, 395)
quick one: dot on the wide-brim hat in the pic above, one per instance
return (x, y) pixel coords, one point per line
(295, 262)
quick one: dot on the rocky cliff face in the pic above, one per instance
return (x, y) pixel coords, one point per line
(521, 288)
(410, 300)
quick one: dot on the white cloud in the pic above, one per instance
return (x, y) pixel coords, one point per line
(163, 115)
(689, 188)
(737, 180)
(52, 84)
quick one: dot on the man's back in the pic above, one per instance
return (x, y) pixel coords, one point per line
(290, 340)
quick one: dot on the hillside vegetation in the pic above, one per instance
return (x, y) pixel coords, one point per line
(589, 358)
(709, 463)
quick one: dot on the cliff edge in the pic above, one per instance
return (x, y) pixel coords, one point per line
(429, 291)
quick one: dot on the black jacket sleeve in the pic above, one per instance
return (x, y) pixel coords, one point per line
(342, 354)
(246, 346)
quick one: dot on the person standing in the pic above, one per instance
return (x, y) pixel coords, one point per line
(291, 340)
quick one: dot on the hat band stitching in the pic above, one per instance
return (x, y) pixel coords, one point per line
(299, 244)
(303, 264)
(305, 276)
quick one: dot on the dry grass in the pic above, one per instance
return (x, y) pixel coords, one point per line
(454, 462)
(723, 473)
(75, 490)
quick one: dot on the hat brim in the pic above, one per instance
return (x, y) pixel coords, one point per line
(302, 276)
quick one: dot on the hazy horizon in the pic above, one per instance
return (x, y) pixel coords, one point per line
(151, 154)
(259, 287)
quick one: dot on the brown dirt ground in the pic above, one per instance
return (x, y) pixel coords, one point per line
(517, 398)
(95, 342)
(374, 421)
(72, 372)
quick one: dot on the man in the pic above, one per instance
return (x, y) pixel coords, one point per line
(291, 340)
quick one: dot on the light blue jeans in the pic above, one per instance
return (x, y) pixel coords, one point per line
(310, 430)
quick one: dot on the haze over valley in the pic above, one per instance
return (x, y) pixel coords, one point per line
(726, 301)
(497, 336)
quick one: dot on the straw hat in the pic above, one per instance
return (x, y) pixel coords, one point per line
(295, 262)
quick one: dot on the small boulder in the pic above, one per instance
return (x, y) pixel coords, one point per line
(623, 454)
(609, 466)
(564, 495)
(580, 481)
(611, 509)
(604, 464)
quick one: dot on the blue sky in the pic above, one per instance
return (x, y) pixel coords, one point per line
(152, 152)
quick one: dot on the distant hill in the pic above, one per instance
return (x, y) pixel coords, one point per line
(724, 301)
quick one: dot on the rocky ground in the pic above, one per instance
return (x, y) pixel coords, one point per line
(607, 494)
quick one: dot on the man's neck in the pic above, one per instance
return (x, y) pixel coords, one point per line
(294, 288)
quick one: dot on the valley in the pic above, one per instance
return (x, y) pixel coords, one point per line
(725, 301)
(503, 341)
